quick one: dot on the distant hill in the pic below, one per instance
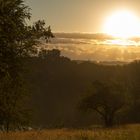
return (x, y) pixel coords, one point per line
(104, 62)
(57, 85)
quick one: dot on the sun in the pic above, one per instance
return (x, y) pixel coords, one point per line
(122, 24)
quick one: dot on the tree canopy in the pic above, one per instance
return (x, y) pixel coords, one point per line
(106, 99)
(17, 40)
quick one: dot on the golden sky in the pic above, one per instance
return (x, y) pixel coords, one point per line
(79, 15)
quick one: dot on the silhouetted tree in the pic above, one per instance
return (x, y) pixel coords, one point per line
(106, 99)
(53, 54)
(48, 34)
(43, 53)
(17, 41)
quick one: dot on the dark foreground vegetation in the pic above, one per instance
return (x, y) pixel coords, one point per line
(42, 89)
(67, 93)
(127, 132)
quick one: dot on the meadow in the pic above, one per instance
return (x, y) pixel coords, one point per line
(127, 132)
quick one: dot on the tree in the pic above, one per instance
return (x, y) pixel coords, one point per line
(106, 99)
(49, 54)
(48, 34)
(17, 41)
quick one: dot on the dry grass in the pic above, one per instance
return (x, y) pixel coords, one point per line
(129, 132)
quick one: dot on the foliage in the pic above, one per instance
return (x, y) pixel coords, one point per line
(49, 54)
(106, 99)
(17, 41)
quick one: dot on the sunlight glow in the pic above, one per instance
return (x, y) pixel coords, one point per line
(123, 24)
(121, 42)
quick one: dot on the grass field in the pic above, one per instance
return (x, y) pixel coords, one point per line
(127, 132)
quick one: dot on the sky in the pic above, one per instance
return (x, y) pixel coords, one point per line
(86, 16)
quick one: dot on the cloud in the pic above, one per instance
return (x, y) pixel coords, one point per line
(95, 47)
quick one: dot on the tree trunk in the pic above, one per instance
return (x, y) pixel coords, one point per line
(109, 120)
(7, 126)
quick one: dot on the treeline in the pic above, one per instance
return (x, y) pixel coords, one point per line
(58, 85)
